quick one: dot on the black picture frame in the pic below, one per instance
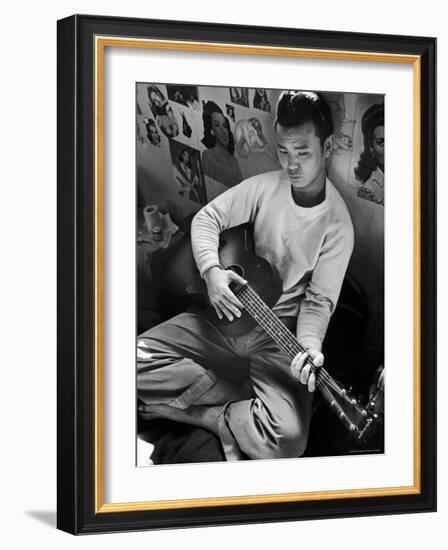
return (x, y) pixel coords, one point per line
(77, 509)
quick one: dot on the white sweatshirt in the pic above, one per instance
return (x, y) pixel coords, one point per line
(310, 247)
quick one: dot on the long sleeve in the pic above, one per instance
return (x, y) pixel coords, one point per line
(323, 289)
(235, 206)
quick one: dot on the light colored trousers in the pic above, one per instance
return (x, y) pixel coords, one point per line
(187, 361)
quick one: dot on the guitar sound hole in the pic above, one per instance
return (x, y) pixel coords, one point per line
(238, 269)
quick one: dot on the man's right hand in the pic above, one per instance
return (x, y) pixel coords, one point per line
(221, 297)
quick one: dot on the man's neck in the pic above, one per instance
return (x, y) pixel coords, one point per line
(311, 195)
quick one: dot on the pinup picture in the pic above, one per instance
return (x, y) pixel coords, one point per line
(239, 96)
(187, 172)
(185, 95)
(230, 112)
(255, 153)
(218, 161)
(162, 111)
(370, 168)
(260, 320)
(261, 100)
(152, 133)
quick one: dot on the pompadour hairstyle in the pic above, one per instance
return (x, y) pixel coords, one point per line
(296, 108)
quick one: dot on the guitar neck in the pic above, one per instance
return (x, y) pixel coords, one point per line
(285, 339)
(268, 321)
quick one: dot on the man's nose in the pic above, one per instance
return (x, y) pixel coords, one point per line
(293, 164)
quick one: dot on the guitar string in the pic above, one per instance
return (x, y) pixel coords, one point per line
(276, 336)
(280, 333)
(292, 343)
(286, 338)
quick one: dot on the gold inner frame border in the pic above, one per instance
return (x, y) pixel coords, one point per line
(100, 44)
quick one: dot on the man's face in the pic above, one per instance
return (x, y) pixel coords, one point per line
(301, 155)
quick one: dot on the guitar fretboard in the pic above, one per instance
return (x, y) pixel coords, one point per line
(281, 335)
(267, 319)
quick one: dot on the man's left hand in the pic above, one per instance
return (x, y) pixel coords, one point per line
(303, 372)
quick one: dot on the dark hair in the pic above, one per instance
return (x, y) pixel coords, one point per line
(371, 119)
(296, 108)
(209, 140)
(156, 110)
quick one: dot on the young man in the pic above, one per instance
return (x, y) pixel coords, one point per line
(302, 226)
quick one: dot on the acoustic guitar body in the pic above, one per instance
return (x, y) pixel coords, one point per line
(236, 252)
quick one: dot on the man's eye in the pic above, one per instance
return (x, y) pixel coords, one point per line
(280, 152)
(302, 153)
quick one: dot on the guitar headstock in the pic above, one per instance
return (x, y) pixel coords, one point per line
(362, 422)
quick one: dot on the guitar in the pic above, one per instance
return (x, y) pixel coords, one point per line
(264, 288)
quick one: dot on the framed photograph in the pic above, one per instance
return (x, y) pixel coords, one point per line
(246, 311)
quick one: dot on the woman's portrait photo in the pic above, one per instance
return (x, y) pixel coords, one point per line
(218, 161)
(162, 112)
(370, 168)
(152, 133)
(261, 100)
(187, 172)
(230, 112)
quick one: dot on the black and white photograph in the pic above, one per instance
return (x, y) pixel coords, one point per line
(261, 100)
(261, 321)
(162, 112)
(185, 95)
(240, 96)
(188, 172)
(230, 112)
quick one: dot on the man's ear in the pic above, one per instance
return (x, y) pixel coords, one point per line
(328, 146)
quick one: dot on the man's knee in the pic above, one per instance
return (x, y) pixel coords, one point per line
(291, 441)
(285, 436)
(293, 448)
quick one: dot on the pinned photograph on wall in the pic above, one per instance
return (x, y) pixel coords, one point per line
(218, 160)
(343, 124)
(240, 96)
(152, 134)
(254, 152)
(261, 100)
(185, 95)
(370, 168)
(162, 111)
(187, 172)
(230, 112)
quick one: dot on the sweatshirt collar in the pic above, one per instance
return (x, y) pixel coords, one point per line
(303, 210)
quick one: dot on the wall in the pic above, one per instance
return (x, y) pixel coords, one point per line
(156, 178)
(28, 277)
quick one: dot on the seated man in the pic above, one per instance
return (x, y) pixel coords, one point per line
(303, 228)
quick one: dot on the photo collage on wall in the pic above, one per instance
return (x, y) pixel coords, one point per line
(215, 137)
